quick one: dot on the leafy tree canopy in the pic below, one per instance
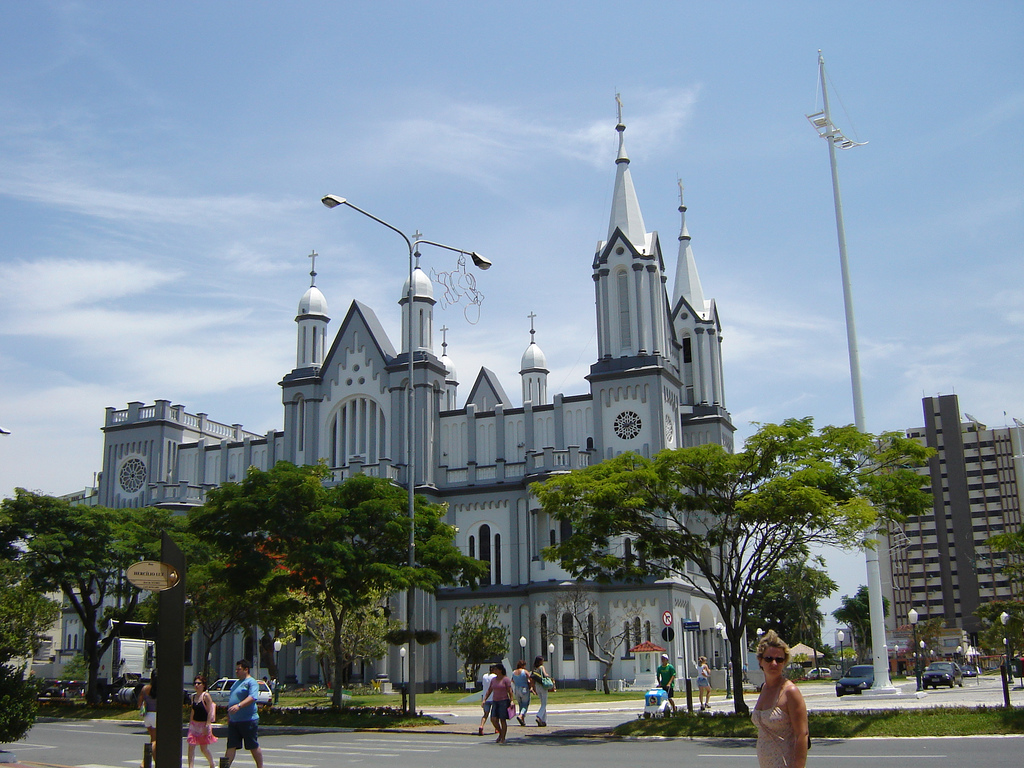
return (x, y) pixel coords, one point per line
(478, 636)
(83, 552)
(340, 545)
(855, 612)
(789, 602)
(25, 614)
(734, 517)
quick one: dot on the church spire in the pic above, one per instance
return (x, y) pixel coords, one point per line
(626, 214)
(687, 285)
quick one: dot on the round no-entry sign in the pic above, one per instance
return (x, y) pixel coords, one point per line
(666, 618)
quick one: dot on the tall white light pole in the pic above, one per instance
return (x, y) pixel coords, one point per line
(822, 122)
(333, 201)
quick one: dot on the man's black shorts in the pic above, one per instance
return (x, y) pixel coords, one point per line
(243, 733)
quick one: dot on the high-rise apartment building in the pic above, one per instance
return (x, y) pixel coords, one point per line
(940, 562)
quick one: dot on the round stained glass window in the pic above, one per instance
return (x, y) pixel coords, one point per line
(627, 425)
(132, 475)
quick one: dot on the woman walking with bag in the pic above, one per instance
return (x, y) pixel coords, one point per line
(200, 725)
(522, 685)
(500, 694)
(542, 684)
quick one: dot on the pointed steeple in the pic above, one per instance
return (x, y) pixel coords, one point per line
(687, 284)
(626, 214)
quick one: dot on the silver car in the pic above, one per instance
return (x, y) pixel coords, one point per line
(221, 690)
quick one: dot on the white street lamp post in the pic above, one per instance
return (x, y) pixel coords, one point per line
(912, 617)
(551, 658)
(1004, 617)
(840, 636)
(333, 201)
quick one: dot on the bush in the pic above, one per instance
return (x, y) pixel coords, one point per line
(17, 703)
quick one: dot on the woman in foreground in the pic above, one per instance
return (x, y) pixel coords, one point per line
(780, 713)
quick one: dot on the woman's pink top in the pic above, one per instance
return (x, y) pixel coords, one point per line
(500, 689)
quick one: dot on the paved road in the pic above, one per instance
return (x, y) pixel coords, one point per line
(117, 745)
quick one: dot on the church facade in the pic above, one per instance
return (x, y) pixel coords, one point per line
(657, 384)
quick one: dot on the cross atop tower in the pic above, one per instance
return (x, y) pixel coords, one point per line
(532, 315)
(312, 269)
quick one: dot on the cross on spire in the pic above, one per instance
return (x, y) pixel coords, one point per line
(312, 269)
(532, 331)
(444, 339)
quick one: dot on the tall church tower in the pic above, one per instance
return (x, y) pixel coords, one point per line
(634, 383)
(657, 382)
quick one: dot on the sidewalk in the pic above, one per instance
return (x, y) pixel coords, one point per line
(819, 697)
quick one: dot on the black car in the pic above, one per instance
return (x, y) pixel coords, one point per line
(856, 680)
(969, 670)
(942, 673)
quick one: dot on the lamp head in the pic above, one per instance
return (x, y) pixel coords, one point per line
(332, 201)
(912, 616)
(481, 262)
(1004, 617)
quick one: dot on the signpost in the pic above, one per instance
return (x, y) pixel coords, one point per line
(169, 579)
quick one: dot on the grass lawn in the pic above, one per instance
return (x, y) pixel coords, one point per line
(940, 721)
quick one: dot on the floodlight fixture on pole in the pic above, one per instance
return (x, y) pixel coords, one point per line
(333, 201)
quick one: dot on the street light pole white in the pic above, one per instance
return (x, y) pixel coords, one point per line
(333, 201)
(822, 122)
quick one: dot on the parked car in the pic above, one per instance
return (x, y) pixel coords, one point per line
(857, 679)
(62, 689)
(942, 673)
(221, 690)
(969, 670)
(819, 673)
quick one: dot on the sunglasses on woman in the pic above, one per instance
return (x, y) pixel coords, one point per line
(774, 659)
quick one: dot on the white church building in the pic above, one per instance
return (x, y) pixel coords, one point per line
(657, 383)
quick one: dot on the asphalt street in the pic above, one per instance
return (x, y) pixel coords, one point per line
(570, 739)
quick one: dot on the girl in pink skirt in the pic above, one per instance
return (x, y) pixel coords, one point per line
(200, 725)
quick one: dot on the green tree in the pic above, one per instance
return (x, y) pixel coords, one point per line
(789, 602)
(24, 616)
(83, 552)
(478, 636)
(1011, 545)
(732, 517)
(340, 545)
(363, 635)
(855, 612)
(991, 637)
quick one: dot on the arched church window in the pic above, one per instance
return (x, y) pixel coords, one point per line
(544, 633)
(568, 646)
(687, 350)
(357, 428)
(485, 549)
(496, 563)
(472, 547)
(564, 530)
(300, 418)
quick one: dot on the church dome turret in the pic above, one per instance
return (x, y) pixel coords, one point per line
(422, 287)
(312, 319)
(534, 371)
(312, 302)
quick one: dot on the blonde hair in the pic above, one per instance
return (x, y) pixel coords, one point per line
(771, 640)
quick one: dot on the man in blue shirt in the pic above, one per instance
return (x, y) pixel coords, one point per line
(243, 719)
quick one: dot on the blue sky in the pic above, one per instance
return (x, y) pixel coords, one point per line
(161, 167)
